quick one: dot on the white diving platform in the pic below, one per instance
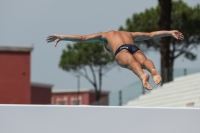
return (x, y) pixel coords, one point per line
(97, 119)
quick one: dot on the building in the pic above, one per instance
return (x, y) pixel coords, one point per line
(81, 97)
(41, 93)
(15, 84)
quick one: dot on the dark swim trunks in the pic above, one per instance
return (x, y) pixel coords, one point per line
(130, 47)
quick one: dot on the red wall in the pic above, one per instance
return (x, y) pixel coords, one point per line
(40, 95)
(103, 98)
(68, 97)
(15, 77)
(87, 98)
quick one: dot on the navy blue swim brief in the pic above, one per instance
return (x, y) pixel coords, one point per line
(130, 47)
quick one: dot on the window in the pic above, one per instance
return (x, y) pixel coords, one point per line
(61, 101)
(75, 101)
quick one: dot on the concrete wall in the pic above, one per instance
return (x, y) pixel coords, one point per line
(97, 119)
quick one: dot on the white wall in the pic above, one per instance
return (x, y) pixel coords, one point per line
(92, 119)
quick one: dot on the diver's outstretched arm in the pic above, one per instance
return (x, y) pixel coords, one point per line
(75, 38)
(140, 36)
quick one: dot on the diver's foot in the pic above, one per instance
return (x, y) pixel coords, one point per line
(156, 77)
(145, 81)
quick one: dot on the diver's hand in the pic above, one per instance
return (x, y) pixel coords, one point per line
(53, 38)
(176, 34)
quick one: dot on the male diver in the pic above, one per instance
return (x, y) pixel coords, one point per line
(121, 44)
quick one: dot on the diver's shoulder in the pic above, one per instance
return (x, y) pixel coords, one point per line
(115, 31)
(110, 31)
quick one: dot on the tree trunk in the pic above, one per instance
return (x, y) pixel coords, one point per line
(165, 21)
(98, 93)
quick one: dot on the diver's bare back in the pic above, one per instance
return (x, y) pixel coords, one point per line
(117, 38)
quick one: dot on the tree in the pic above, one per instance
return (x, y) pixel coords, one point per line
(183, 18)
(81, 57)
(164, 24)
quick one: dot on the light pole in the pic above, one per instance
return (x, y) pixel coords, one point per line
(78, 88)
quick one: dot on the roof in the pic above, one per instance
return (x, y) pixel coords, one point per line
(41, 85)
(75, 90)
(16, 48)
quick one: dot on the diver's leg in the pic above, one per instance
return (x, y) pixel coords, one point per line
(125, 59)
(148, 64)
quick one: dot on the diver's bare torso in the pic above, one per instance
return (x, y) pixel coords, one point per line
(117, 38)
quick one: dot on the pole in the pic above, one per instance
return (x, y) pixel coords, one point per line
(78, 88)
(185, 72)
(120, 97)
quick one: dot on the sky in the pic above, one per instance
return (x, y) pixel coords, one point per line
(27, 23)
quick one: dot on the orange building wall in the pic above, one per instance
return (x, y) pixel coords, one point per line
(67, 97)
(15, 77)
(86, 98)
(104, 97)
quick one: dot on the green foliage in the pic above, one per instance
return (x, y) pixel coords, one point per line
(190, 56)
(184, 18)
(187, 20)
(146, 21)
(80, 55)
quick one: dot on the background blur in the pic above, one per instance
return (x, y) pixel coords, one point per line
(27, 23)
